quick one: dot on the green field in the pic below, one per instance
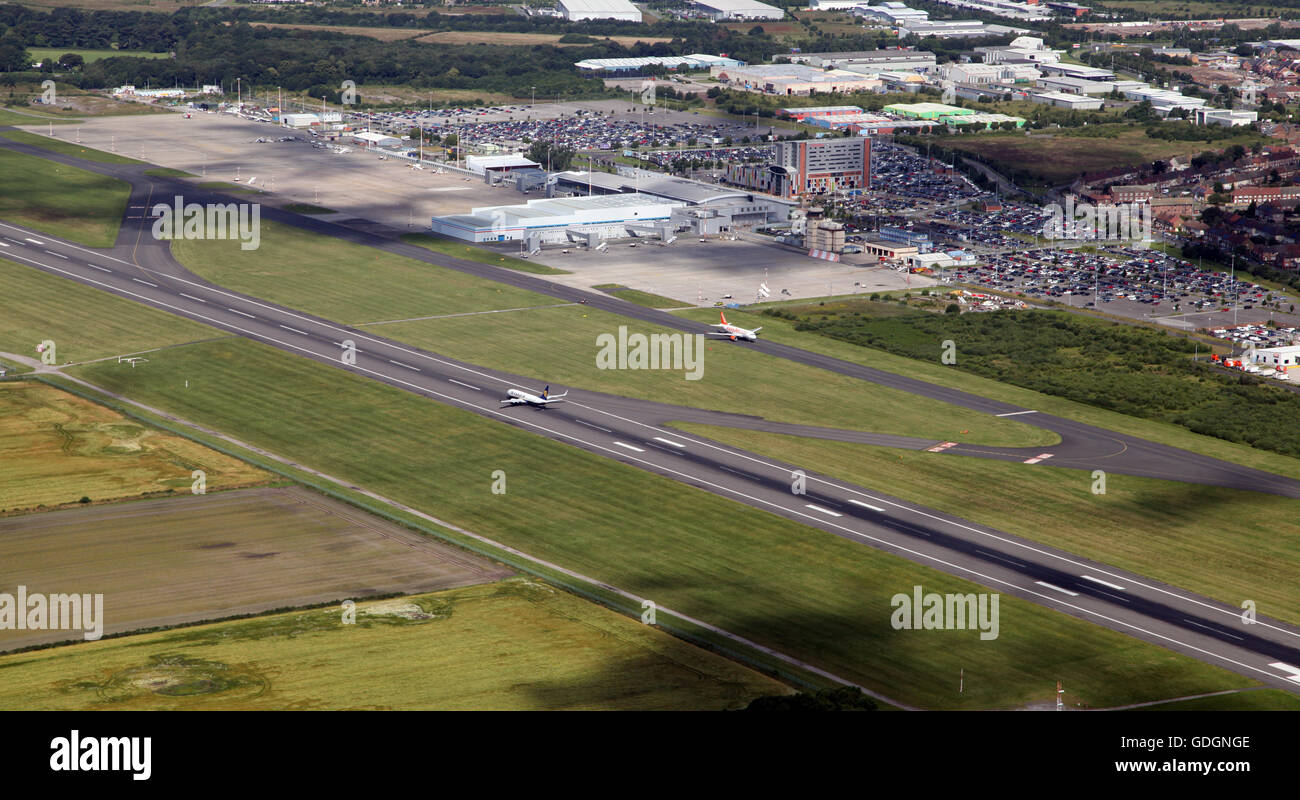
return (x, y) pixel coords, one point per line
(42, 53)
(308, 208)
(1254, 700)
(783, 331)
(83, 322)
(167, 172)
(1058, 157)
(59, 448)
(1166, 530)
(344, 282)
(641, 298)
(512, 645)
(33, 118)
(802, 591)
(68, 148)
(559, 345)
(453, 247)
(60, 200)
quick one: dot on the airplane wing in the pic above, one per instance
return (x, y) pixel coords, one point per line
(512, 402)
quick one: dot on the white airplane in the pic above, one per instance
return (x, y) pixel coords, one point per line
(520, 397)
(734, 332)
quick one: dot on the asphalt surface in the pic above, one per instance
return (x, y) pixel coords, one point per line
(631, 431)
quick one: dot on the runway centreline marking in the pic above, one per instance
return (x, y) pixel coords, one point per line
(59, 255)
(823, 510)
(101, 269)
(295, 330)
(1213, 630)
(400, 364)
(242, 313)
(588, 424)
(146, 283)
(669, 441)
(1015, 413)
(629, 447)
(1057, 588)
(35, 241)
(192, 297)
(867, 505)
(1103, 583)
(466, 385)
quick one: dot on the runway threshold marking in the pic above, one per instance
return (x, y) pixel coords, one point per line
(466, 385)
(1037, 458)
(1294, 677)
(939, 448)
(1015, 413)
(1057, 588)
(629, 447)
(823, 510)
(1103, 583)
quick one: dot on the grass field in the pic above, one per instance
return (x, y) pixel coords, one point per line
(307, 208)
(344, 282)
(452, 247)
(794, 588)
(185, 559)
(1060, 158)
(1163, 529)
(63, 201)
(58, 448)
(783, 331)
(1255, 700)
(560, 345)
(91, 56)
(168, 172)
(515, 645)
(527, 39)
(68, 148)
(639, 297)
(84, 323)
(14, 118)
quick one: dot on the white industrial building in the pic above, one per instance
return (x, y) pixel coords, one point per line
(1225, 117)
(371, 139)
(554, 220)
(481, 165)
(579, 10)
(892, 13)
(720, 10)
(1277, 356)
(1074, 102)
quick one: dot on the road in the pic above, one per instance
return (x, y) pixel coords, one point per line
(632, 432)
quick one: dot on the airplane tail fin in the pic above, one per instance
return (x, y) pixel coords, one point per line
(723, 317)
(546, 393)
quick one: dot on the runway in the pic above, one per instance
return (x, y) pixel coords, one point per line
(632, 432)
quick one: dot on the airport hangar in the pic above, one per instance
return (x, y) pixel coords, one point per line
(589, 207)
